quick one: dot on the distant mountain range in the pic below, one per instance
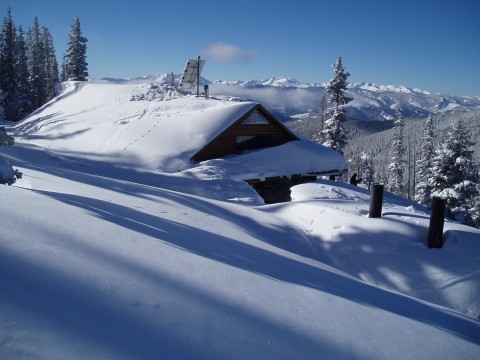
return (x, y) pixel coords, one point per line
(289, 98)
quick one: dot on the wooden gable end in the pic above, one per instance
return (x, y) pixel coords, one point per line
(256, 129)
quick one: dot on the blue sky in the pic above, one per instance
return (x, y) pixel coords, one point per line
(428, 44)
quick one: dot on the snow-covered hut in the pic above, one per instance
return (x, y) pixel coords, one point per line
(147, 128)
(255, 146)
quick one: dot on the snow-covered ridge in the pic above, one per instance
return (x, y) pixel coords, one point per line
(282, 81)
(289, 97)
(387, 88)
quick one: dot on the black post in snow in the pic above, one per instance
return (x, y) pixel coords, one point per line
(376, 200)
(437, 219)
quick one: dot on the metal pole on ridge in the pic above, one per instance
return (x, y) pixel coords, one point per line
(198, 76)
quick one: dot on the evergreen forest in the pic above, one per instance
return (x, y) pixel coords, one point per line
(29, 71)
(369, 145)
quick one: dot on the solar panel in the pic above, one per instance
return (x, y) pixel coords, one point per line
(191, 74)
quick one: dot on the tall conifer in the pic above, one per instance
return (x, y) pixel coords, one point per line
(36, 59)
(334, 134)
(453, 175)
(75, 66)
(424, 164)
(51, 64)
(397, 167)
(24, 101)
(7, 66)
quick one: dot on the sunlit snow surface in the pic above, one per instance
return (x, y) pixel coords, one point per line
(99, 260)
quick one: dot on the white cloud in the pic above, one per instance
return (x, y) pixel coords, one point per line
(222, 52)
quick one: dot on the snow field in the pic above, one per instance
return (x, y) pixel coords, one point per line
(102, 259)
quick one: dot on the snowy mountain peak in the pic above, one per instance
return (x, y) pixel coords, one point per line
(278, 82)
(282, 81)
(387, 88)
(287, 97)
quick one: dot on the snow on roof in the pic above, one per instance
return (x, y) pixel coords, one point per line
(301, 157)
(114, 123)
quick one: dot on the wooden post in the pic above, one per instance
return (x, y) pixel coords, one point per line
(437, 219)
(376, 201)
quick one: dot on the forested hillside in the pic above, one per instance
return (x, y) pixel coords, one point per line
(371, 140)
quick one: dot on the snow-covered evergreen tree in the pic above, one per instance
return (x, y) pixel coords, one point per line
(368, 170)
(453, 175)
(24, 106)
(396, 168)
(28, 68)
(334, 134)
(75, 66)
(322, 107)
(317, 136)
(51, 64)
(36, 59)
(424, 164)
(7, 65)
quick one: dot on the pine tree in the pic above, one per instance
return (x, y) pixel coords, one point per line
(334, 133)
(317, 136)
(7, 66)
(368, 170)
(51, 65)
(397, 166)
(75, 66)
(36, 59)
(424, 164)
(28, 68)
(453, 174)
(24, 102)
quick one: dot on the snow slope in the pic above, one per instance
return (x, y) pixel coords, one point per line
(103, 261)
(99, 119)
(155, 128)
